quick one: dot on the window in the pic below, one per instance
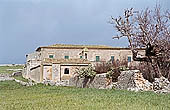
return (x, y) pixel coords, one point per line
(51, 56)
(129, 59)
(85, 55)
(66, 57)
(81, 56)
(112, 58)
(66, 71)
(97, 58)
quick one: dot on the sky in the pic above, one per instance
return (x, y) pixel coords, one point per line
(28, 24)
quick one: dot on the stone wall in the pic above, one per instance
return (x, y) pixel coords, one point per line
(72, 69)
(33, 60)
(34, 56)
(56, 72)
(99, 81)
(105, 54)
(47, 72)
(35, 74)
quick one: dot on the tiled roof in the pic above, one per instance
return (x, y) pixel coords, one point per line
(80, 46)
(66, 61)
(69, 46)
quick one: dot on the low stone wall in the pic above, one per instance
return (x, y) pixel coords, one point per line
(56, 83)
(8, 77)
(131, 80)
(29, 83)
(99, 81)
(5, 77)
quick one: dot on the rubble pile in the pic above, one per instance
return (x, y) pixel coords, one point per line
(133, 80)
(161, 85)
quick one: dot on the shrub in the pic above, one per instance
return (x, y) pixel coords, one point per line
(86, 72)
(113, 74)
(102, 67)
(115, 69)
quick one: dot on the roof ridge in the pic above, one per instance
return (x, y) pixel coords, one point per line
(75, 46)
(79, 45)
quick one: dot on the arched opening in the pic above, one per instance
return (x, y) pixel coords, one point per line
(66, 71)
(85, 55)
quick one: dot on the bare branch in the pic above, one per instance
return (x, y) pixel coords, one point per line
(149, 29)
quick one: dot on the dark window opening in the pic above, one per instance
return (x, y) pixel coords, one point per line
(129, 59)
(66, 71)
(81, 56)
(66, 57)
(85, 55)
(112, 58)
(97, 58)
(51, 56)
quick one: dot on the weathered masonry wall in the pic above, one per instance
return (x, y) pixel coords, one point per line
(47, 70)
(72, 70)
(105, 54)
(34, 56)
(99, 81)
(35, 73)
(55, 72)
(33, 60)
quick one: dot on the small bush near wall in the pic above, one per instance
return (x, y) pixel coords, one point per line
(113, 74)
(86, 72)
(102, 67)
(111, 68)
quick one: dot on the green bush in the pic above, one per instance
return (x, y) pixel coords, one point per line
(86, 72)
(113, 74)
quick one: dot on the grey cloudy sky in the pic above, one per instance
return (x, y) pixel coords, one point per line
(27, 24)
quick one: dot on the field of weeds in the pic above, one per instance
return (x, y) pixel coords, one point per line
(40, 97)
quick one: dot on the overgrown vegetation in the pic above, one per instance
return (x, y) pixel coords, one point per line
(86, 72)
(104, 67)
(40, 97)
(112, 68)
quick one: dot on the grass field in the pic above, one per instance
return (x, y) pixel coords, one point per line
(16, 97)
(4, 69)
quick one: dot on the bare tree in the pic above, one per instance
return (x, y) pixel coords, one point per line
(148, 29)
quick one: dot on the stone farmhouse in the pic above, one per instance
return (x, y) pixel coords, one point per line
(59, 62)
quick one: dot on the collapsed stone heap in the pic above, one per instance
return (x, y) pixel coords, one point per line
(133, 80)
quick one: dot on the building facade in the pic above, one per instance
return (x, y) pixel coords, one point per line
(59, 62)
